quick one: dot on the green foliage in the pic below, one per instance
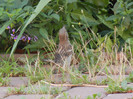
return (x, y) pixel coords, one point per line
(52, 17)
(92, 20)
(130, 78)
(20, 90)
(122, 19)
(3, 81)
(34, 14)
(95, 96)
(14, 15)
(10, 68)
(14, 11)
(122, 87)
(87, 22)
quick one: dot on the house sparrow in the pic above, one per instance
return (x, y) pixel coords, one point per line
(64, 52)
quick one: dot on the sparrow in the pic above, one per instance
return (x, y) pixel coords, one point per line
(65, 50)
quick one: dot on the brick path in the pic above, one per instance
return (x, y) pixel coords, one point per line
(34, 91)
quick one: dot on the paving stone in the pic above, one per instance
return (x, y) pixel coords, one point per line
(119, 96)
(23, 81)
(130, 85)
(82, 92)
(4, 91)
(18, 81)
(28, 97)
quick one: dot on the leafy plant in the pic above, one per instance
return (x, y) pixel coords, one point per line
(36, 12)
(119, 88)
(86, 21)
(130, 78)
(10, 68)
(95, 96)
(3, 81)
(12, 14)
(16, 91)
(119, 25)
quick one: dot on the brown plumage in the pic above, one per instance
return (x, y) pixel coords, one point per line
(64, 52)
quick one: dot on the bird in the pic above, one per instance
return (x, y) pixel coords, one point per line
(64, 51)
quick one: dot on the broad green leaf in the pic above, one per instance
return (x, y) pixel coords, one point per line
(86, 17)
(44, 33)
(125, 34)
(112, 18)
(107, 23)
(102, 3)
(124, 84)
(89, 20)
(44, 15)
(55, 16)
(129, 5)
(17, 4)
(89, 97)
(129, 41)
(38, 9)
(14, 12)
(50, 12)
(94, 96)
(37, 44)
(9, 1)
(71, 1)
(118, 7)
(68, 18)
(130, 11)
(24, 3)
(1, 11)
(127, 21)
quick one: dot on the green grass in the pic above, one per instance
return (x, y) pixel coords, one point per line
(118, 88)
(40, 89)
(86, 65)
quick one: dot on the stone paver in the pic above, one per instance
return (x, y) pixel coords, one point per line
(23, 81)
(18, 81)
(119, 96)
(37, 89)
(130, 85)
(100, 78)
(82, 92)
(28, 97)
(4, 91)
